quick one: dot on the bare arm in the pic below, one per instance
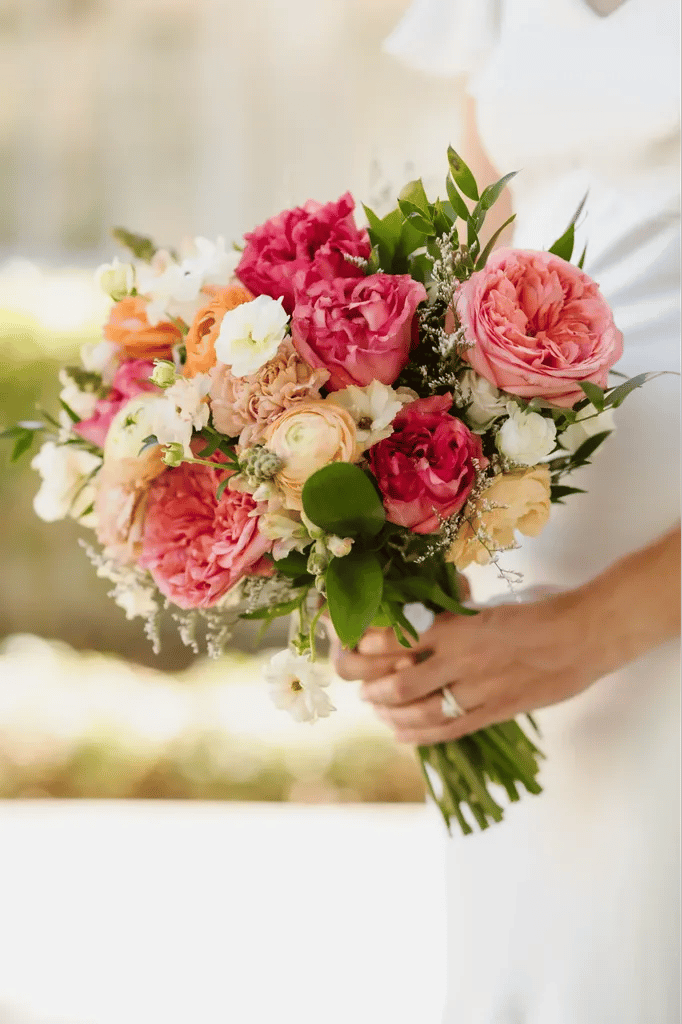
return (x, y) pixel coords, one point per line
(478, 160)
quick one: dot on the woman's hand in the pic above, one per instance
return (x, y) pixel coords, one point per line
(515, 658)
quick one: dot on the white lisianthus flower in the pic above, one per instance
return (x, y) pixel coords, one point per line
(339, 547)
(297, 686)
(116, 279)
(66, 489)
(250, 335)
(182, 410)
(287, 531)
(526, 437)
(486, 403)
(83, 403)
(373, 408)
(588, 423)
(101, 357)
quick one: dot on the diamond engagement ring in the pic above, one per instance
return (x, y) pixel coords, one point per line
(449, 705)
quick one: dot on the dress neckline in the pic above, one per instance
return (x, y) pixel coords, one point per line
(593, 13)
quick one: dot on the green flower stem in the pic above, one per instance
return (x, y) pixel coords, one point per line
(479, 793)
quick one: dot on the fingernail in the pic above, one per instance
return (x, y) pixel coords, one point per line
(403, 663)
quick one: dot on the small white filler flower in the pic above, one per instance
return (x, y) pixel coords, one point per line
(297, 685)
(250, 335)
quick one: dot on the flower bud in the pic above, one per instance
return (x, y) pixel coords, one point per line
(116, 279)
(173, 454)
(339, 546)
(318, 559)
(164, 375)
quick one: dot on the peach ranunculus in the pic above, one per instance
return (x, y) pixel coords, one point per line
(538, 326)
(129, 327)
(205, 328)
(307, 437)
(245, 406)
(519, 500)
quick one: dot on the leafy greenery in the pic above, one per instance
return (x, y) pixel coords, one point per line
(341, 499)
(355, 586)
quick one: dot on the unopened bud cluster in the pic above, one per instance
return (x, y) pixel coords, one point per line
(259, 464)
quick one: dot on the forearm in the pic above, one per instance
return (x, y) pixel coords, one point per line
(634, 605)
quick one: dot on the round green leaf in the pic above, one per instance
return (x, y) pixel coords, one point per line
(341, 499)
(355, 584)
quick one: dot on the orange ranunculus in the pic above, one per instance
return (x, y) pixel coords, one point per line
(201, 339)
(129, 327)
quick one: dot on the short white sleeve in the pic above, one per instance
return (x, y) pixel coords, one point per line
(446, 37)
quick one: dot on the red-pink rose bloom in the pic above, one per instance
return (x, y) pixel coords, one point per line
(195, 547)
(539, 326)
(425, 469)
(132, 378)
(359, 329)
(311, 237)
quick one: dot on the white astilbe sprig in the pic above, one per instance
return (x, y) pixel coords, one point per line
(258, 592)
(134, 591)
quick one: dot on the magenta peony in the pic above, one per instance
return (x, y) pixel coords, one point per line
(311, 237)
(539, 325)
(425, 469)
(360, 330)
(132, 378)
(196, 547)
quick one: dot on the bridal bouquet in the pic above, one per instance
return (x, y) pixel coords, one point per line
(332, 420)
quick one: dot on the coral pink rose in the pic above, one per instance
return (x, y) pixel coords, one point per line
(539, 326)
(426, 468)
(196, 547)
(360, 330)
(309, 237)
(131, 379)
(245, 405)
(129, 327)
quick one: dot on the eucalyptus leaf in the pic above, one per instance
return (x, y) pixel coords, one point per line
(461, 175)
(341, 499)
(354, 590)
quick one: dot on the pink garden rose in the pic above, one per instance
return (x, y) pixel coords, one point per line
(539, 326)
(427, 465)
(359, 329)
(310, 237)
(195, 547)
(132, 378)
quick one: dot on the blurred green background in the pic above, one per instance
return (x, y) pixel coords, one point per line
(151, 115)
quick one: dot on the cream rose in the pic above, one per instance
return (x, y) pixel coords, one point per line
(307, 437)
(526, 437)
(513, 501)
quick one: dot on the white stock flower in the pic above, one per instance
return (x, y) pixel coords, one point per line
(83, 403)
(486, 404)
(131, 426)
(65, 490)
(175, 288)
(373, 408)
(526, 437)
(101, 357)
(339, 546)
(588, 423)
(250, 334)
(287, 531)
(297, 686)
(182, 410)
(116, 279)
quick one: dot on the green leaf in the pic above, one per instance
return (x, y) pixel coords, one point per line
(459, 207)
(385, 235)
(22, 445)
(274, 612)
(69, 411)
(142, 248)
(211, 448)
(483, 258)
(401, 624)
(594, 393)
(418, 221)
(581, 261)
(221, 488)
(293, 564)
(443, 217)
(354, 589)
(557, 492)
(341, 499)
(588, 447)
(420, 589)
(616, 396)
(563, 247)
(414, 193)
(149, 442)
(492, 193)
(462, 175)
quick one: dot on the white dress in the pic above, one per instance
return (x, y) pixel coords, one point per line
(568, 912)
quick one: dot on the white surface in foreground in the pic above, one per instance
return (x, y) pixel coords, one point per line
(198, 913)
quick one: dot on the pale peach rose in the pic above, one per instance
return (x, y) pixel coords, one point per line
(307, 437)
(201, 337)
(129, 327)
(122, 487)
(523, 504)
(245, 406)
